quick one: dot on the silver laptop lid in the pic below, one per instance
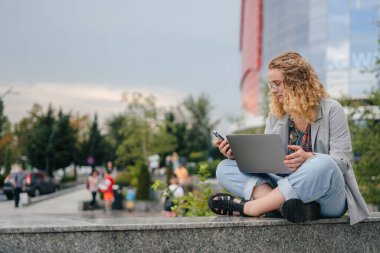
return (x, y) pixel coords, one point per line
(258, 153)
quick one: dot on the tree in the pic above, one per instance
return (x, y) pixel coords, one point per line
(6, 139)
(2, 117)
(137, 134)
(93, 149)
(176, 129)
(64, 142)
(7, 147)
(40, 148)
(199, 124)
(142, 133)
(364, 122)
(114, 137)
(144, 183)
(81, 126)
(50, 141)
(23, 130)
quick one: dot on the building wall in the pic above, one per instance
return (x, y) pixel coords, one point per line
(250, 46)
(338, 37)
(352, 46)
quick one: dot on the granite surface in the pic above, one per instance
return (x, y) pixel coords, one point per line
(199, 234)
(54, 223)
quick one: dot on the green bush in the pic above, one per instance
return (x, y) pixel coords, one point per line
(193, 169)
(123, 179)
(194, 203)
(142, 192)
(212, 167)
(198, 156)
(365, 136)
(68, 178)
(215, 153)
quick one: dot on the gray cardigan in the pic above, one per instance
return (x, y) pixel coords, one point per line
(329, 135)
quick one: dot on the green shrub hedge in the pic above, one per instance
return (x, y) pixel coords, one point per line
(123, 178)
(68, 178)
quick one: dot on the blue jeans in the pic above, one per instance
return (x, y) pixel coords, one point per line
(318, 179)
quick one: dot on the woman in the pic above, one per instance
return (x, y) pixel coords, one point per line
(106, 187)
(315, 134)
(93, 186)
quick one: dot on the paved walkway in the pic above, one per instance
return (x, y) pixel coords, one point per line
(68, 204)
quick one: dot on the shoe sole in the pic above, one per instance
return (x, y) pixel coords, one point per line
(294, 210)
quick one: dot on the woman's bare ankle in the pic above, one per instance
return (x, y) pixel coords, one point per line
(260, 191)
(249, 209)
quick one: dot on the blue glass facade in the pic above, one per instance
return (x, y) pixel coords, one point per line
(338, 37)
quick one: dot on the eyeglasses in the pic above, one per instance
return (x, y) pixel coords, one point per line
(273, 86)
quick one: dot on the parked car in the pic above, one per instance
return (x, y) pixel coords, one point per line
(36, 183)
(8, 186)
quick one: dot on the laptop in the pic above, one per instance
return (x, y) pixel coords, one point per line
(258, 153)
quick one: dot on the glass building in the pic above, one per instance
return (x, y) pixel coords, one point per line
(338, 37)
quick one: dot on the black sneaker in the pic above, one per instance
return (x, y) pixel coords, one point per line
(273, 215)
(294, 210)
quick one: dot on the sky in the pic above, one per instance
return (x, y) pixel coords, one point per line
(82, 55)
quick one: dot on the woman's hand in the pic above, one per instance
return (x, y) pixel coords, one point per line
(224, 148)
(296, 159)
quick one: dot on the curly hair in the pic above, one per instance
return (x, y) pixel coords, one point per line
(302, 89)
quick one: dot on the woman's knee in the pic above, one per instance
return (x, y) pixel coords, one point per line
(321, 165)
(316, 172)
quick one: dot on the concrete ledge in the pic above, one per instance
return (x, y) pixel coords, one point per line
(203, 234)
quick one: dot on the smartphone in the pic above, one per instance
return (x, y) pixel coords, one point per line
(217, 135)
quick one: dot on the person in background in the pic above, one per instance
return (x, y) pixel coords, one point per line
(19, 184)
(93, 186)
(154, 163)
(130, 198)
(175, 161)
(168, 161)
(174, 191)
(106, 188)
(109, 166)
(183, 178)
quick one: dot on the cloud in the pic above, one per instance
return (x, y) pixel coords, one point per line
(82, 98)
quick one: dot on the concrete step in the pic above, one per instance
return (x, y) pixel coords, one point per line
(199, 234)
